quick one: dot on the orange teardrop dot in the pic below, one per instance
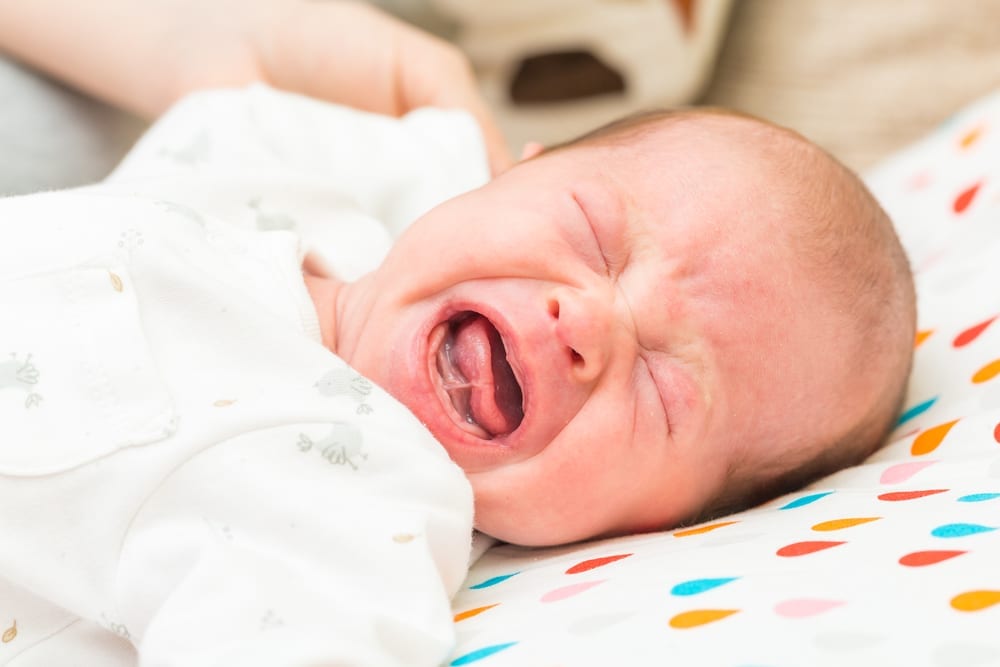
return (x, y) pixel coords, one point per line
(975, 600)
(840, 524)
(928, 441)
(970, 137)
(10, 633)
(696, 617)
(116, 281)
(972, 333)
(921, 337)
(987, 372)
(704, 529)
(965, 198)
(469, 613)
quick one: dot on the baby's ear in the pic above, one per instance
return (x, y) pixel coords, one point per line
(531, 149)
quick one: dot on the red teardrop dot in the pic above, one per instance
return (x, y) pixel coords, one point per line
(996, 432)
(922, 558)
(583, 566)
(805, 548)
(972, 333)
(895, 496)
(965, 198)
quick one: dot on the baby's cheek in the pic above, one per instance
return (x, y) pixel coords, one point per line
(549, 500)
(525, 509)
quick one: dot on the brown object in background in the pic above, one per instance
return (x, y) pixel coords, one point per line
(562, 76)
(686, 10)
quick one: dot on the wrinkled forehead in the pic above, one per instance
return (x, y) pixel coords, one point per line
(703, 184)
(713, 182)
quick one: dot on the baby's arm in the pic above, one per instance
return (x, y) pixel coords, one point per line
(143, 56)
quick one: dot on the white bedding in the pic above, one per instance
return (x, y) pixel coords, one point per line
(894, 562)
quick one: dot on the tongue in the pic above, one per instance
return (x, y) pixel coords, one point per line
(479, 354)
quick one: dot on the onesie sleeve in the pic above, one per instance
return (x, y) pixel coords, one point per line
(258, 553)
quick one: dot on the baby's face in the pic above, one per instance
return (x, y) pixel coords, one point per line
(597, 335)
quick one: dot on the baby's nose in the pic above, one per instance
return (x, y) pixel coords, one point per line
(583, 321)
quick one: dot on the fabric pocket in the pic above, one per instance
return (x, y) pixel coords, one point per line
(77, 380)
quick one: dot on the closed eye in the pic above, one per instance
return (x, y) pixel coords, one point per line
(593, 232)
(661, 391)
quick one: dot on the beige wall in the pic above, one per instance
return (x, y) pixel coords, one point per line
(860, 77)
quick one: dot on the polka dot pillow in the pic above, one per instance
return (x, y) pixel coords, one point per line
(894, 562)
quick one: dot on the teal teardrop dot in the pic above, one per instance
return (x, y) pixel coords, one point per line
(696, 586)
(493, 581)
(479, 654)
(978, 497)
(916, 410)
(805, 500)
(960, 529)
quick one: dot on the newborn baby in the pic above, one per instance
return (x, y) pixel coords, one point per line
(679, 314)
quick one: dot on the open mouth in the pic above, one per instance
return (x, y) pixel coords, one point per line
(475, 374)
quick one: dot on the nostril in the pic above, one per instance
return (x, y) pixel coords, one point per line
(554, 309)
(576, 357)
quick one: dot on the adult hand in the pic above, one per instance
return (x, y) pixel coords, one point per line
(143, 56)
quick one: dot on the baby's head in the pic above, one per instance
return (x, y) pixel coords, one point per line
(679, 314)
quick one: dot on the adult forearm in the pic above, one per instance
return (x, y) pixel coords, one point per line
(143, 55)
(137, 54)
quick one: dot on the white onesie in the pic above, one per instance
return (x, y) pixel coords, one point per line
(188, 477)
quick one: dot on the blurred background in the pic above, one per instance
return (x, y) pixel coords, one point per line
(861, 78)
